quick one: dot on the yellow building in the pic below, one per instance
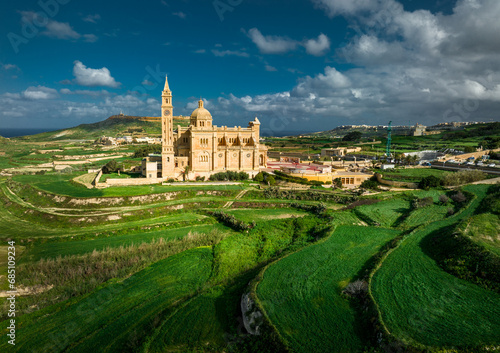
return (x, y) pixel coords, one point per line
(202, 149)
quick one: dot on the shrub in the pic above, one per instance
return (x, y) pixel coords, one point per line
(318, 209)
(420, 203)
(450, 211)
(337, 182)
(144, 151)
(270, 180)
(444, 199)
(369, 184)
(463, 177)
(231, 221)
(430, 181)
(229, 175)
(458, 197)
(110, 167)
(259, 177)
(356, 289)
(171, 180)
(200, 178)
(352, 136)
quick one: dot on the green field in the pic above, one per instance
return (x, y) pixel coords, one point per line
(61, 184)
(424, 215)
(149, 268)
(301, 293)
(484, 229)
(411, 174)
(387, 213)
(79, 247)
(119, 316)
(423, 305)
(249, 215)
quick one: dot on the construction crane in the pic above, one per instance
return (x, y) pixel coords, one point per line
(388, 147)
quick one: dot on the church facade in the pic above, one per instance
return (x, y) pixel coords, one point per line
(202, 149)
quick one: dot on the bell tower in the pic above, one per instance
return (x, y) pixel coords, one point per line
(167, 133)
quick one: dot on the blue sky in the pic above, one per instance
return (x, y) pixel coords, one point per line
(298, 65)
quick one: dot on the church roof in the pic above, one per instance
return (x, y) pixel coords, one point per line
(201, 112)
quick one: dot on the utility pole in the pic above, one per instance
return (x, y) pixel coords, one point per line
(389, 139)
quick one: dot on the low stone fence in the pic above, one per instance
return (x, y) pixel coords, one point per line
(398, 184)
(132, 181)
(97, 178)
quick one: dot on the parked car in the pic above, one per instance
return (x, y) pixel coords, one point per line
(491, 165)
(480, 164)
(470, 163)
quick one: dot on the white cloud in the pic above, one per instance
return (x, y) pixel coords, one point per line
(347, 7)
(282, 45)
(146, 82)
(60, 30)
(92, 18)
(101, 93)
(318, 46)
(271, 44)
(93, 77)
(200, 51)
(55, 29)
(90, 38)
(10, 67)
(270, 68)
(221, 53)
(179, 14)
(39, 92)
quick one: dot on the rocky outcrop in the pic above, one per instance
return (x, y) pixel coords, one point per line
(252, 317)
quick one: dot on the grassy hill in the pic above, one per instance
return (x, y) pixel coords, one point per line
(113, 126)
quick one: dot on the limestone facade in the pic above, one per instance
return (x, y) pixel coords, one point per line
(202, 149)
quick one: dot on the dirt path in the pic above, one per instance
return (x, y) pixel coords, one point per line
(488, 181)
(239, 196)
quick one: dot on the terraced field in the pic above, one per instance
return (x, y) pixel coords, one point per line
(301, 293)
(422, 305)
(118, 317)
(424, 215)
(484, 229)
(122, 290)
(387, 213)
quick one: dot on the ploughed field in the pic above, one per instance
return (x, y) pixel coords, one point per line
(153, 269)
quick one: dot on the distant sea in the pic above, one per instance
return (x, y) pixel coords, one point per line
(21, 132)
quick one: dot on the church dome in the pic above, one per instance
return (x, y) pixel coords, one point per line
(201, 112)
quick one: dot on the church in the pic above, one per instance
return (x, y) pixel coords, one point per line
(203, 149)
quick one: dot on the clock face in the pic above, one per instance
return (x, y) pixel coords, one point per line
(167, 112)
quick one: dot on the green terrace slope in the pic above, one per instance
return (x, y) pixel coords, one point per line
(422, 305)
(113, 126)
(301, 293)
(118, 317)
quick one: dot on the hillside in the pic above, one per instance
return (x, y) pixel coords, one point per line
(116, 125)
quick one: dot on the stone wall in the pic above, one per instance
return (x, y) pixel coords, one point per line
(97, 178)
(398, 184)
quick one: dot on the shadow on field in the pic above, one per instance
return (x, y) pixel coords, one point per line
(405, 212)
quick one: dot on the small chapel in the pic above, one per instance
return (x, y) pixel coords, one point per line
(202, 149)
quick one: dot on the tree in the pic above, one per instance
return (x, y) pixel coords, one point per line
(337, 182)
(110, 167)
(444, 199)
(259, 177)
(270, 180)
(352, 136)
(458, 197)
(430, 181)
(369, 184)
